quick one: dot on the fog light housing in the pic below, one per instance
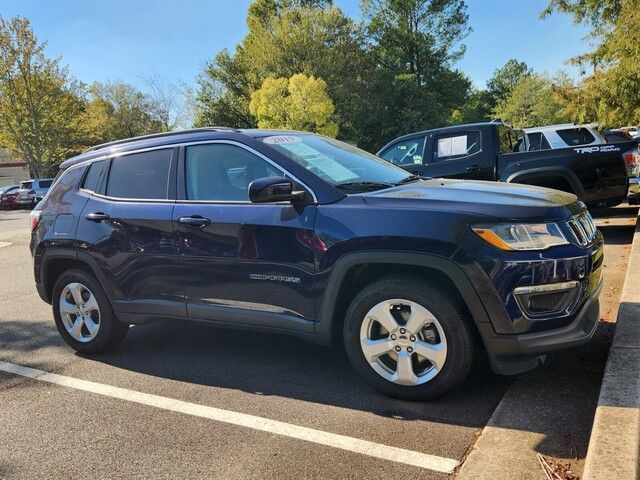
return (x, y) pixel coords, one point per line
(547, 300)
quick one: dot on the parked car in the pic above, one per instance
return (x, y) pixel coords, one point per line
(634, 132)
(301, 234)
(32, 191)
(563, 136)
(8, 196)
(597, 174)
(567, 135)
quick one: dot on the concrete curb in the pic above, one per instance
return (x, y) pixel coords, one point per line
(614, 445)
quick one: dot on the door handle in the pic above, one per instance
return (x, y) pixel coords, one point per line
(194, 221)
(97, 217)
(473, 168)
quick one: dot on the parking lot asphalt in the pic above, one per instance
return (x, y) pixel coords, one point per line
(60, 431)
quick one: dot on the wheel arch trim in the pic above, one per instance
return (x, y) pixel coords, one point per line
(53, 254)
(326, 320)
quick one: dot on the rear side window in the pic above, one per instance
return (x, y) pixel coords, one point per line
(456, 145)
(140, 175)
(407, 152)
(537, 141)
(576, 136)
(94, 176)
(45, 183)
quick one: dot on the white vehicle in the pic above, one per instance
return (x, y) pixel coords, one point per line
(563, 136)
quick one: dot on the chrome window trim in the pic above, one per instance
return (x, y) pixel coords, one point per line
(187, 144)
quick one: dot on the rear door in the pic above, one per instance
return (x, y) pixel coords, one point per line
(458, 155)
(126, 227)
(242, 262)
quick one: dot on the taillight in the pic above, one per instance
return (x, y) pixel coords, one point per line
(32, 192)
(629, 158)
(35, 219)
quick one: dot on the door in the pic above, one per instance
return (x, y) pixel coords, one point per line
(242, 262)
(459, 155)
(126, 227)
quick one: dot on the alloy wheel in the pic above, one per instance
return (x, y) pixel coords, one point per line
(80, 312)
(403, 342)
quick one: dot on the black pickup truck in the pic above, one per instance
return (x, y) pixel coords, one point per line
(597, 174)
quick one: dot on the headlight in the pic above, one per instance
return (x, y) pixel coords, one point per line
(522, 236)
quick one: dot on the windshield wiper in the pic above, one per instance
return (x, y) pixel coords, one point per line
(363, 185)
(409, 179)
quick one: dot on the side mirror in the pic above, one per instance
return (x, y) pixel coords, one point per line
(274, 189)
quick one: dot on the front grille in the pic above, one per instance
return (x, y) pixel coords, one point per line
(583, 228)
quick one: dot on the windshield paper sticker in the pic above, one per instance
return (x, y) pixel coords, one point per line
(318, 163)
(448, 147)
(282, 140)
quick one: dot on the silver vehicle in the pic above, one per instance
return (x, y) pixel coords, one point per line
(32, 191)
(563, 136)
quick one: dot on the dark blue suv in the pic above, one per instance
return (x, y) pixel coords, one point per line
(302, 234)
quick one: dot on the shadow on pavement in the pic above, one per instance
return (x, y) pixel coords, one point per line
(270, 364)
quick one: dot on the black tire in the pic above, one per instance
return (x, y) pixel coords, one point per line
(448, 312)
(111, 331)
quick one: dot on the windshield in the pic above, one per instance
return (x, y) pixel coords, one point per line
(336, 162)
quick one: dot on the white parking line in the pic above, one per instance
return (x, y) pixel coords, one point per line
(377, 450)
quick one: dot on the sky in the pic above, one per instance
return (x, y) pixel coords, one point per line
(125, 40)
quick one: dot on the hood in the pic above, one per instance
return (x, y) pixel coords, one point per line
(495, 199)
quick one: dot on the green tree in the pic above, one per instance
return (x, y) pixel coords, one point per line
(285, 38)
(38, 100)
(505, 78)
(414, 44)
(535, 100)
(610, 94)
(128, 111)
(297, 103)
(478, 107)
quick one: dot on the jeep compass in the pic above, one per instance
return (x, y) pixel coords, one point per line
(302, 234)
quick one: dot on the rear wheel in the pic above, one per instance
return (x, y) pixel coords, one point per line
(408, 339)
(83, 314)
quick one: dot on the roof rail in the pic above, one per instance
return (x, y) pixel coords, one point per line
(159, 135)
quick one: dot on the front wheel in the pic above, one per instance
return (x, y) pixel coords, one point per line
(83, 314)
(408, 339)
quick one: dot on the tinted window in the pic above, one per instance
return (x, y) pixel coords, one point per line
(223, 172)
(537, 141)
(141, 175)
(456, 145)
(576, 136)
(45, 183)
(94, 176)
(508, 140)
(407, 152)
(25, 184)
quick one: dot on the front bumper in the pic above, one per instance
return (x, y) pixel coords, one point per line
(511, 354)
(515, 336)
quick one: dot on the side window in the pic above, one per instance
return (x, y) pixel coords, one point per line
(537, 141)
(94, 176)
(140, 175)
(576, 136)
(45, 183)
(223, 172)
(457, 145)
(407, 152)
